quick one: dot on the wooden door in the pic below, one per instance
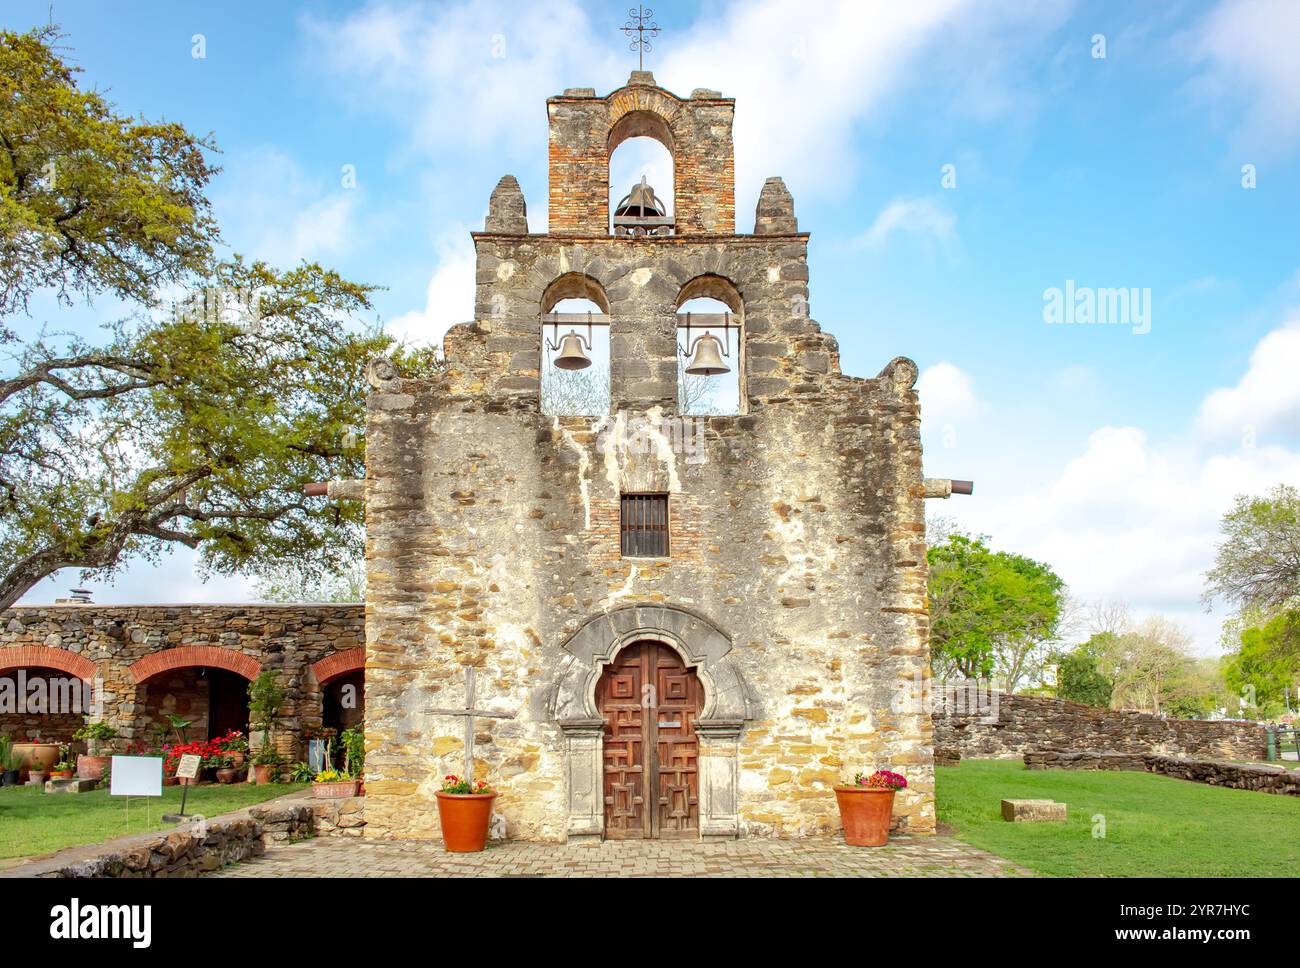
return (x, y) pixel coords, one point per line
(650, 702)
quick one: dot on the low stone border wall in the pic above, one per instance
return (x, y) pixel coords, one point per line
(344, 817)
(1262, 777)
(1027, 723)
(200, 847)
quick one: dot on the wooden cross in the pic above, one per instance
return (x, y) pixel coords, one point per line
(640, 24)
(470, 714)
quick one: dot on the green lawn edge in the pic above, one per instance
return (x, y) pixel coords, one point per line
(1121, 824)
(33, 823)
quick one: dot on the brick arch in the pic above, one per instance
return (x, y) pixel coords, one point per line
(46, 657)
(636, 112)
(338, 664)
(191, 656)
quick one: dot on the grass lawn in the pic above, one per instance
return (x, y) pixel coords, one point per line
(1155, 826)
(33, 823)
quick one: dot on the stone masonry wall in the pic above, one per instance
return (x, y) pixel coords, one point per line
(287, 638)
(1261, 777)
(491, 539)
(1031, 723)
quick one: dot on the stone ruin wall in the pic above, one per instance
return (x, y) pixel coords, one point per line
(288, 638)
(1032, 723)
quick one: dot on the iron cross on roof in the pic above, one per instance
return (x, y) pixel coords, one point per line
(470, 714)
(641, 25)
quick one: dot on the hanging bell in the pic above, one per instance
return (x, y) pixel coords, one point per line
(708, 357)
(571, 355)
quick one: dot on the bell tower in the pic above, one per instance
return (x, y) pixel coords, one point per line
(585, 130)
(762, 565)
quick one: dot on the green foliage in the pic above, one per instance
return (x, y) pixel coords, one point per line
(91, 201)
(989, 609)
(1268, 663)
(96, 734)
(265, 697)
(1258, 562)
(199, 429)
(354, 750)
(1077, 678)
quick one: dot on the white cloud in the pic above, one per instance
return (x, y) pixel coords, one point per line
(921, 217)
(805, 73)
(460, 75)
(449, 297)
(946, 393)
(1250, 68)
(1267, 398)
(1136, 519)
(271, 208)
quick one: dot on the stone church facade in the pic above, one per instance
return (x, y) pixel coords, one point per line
(776, 644)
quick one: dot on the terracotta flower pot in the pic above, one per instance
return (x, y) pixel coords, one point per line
(265, 774)
(40, 757)
(464, 818)
(865, 813)
(92, 767)
(227, 774)
(191, 780)
(61, 775)
(336, 790)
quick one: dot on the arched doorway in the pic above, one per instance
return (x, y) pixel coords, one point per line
(650, 702)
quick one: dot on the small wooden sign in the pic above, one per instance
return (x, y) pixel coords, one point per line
(189, 767)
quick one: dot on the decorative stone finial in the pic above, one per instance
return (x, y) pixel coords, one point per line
(507, 212)
(775, 212)
(642, 79)
(380, 371)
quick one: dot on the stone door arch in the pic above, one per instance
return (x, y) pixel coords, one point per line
(704, 650)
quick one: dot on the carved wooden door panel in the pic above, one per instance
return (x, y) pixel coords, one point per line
(618, 696)
(650, 702)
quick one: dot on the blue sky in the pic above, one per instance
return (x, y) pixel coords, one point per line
(1106, 451)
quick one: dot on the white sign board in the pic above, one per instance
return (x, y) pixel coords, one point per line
(136, 776)
(189, 767)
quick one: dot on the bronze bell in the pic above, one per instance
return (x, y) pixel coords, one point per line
(707, 360)
(640, 202)
(571, 355)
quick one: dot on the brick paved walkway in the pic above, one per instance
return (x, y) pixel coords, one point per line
(818, 857)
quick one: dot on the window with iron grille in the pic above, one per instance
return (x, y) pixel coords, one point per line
(643, 526)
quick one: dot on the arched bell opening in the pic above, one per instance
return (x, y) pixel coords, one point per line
(710, 348)
(641, 176)
(575, 348)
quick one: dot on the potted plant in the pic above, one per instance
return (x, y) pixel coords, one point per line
(464, 809)
(333, 785)
(227, 770)
(11, 762)
(37, 777)
(91, 765)
(235, 747)
(66, 765)
(37, 756)
(354, 755)
(266, 764)
(265, 697)
(867, 806)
